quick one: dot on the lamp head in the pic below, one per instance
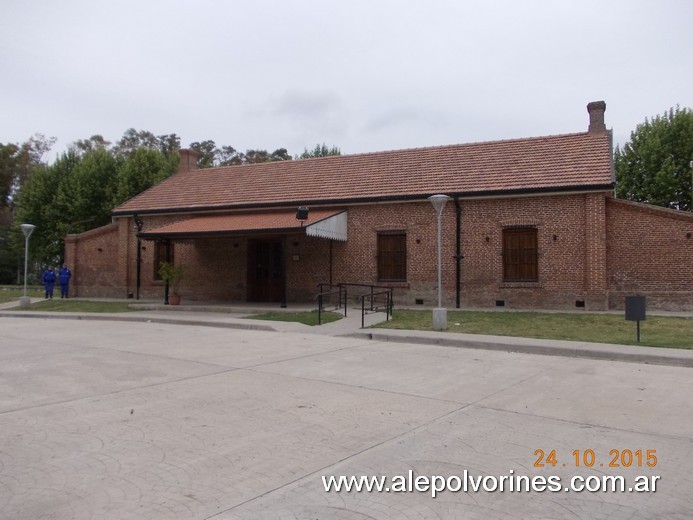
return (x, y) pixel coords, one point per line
(438, 202)
(302, 214)
(27, 229)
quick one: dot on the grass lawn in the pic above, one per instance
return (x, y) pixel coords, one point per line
(307, 317)
(58, 305)
(656, 331)
(9, 293)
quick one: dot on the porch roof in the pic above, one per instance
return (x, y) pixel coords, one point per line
(320, 223)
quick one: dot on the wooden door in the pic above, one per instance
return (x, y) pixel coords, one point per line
(265, 270)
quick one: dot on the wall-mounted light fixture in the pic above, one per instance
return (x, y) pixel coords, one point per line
(555, 237)
(138, 223)
(302, 214)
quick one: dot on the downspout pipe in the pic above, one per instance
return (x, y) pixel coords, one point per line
(138, 223)
(282, 304)
(167, 244)
(458, 252)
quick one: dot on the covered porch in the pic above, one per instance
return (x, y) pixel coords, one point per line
(270, 258)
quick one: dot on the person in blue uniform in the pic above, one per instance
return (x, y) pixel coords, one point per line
(48, 280)
(64, 276)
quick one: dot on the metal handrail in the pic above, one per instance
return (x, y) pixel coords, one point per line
(370, 287)
(321, 300)
(372, 297)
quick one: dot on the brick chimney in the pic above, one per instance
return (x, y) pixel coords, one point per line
(596, 110)
(188, 160)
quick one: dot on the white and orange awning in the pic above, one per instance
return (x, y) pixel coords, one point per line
(329, 224)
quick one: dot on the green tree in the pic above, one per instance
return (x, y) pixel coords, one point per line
(95, 142)
(208, 153)
(320, 150)
(8, 168)
(133, 140)
(211, 156)
(141, 170)
(256, 156)
(86, 195)
(72, 195)
(17, 163)
(654, 166)
(169, 145)
(280, 154)
(37, 205)
(229, 156)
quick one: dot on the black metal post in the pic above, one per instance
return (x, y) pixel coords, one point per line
(139, 224)
(331, 262)
(167, 244)
(363, 311)
(282, 261)
(320, 309)
(458, 253)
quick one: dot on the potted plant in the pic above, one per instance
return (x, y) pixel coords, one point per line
(172, 275)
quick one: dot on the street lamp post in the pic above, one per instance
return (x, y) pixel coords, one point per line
(440, 314)
(27, 229)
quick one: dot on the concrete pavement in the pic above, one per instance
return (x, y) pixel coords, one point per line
(160, 421)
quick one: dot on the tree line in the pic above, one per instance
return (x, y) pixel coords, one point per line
(78, 190)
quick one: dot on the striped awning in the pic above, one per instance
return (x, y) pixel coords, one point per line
(333, 227)
(330, 224)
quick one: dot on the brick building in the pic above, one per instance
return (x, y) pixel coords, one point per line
(531, 224)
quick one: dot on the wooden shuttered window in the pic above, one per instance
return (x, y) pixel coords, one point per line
(392, 257)
(520, 259)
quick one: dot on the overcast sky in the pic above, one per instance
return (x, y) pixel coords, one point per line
(364, 75)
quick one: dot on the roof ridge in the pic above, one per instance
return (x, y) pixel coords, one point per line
(407, 150)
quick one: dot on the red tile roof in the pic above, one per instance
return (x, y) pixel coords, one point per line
(561, 162)
(237, 223)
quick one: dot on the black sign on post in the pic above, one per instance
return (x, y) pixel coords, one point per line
(635, 310)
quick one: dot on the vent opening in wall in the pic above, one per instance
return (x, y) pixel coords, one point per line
(419, 301)
(500, 303)
(580, 304)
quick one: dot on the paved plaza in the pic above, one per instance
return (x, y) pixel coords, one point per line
(119, 420)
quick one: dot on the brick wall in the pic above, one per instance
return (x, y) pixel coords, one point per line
(356, 259)
(591, 249)
(566, 235)
(570, 229)
(93, 258)
(650, 252)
